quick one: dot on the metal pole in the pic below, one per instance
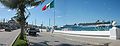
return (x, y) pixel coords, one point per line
(54, 12)
(49, 22)
(32, 22)
(54, 18)
(35, 21)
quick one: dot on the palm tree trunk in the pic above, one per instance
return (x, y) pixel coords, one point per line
(22, 21)
(22, 33)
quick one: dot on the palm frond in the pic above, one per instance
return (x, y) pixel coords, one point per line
(9, 4)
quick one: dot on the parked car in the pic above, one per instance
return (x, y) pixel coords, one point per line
(37, 29)
(8, 29)
(32, 31)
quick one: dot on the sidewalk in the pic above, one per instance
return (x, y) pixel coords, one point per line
(7, 38)
(103, 41)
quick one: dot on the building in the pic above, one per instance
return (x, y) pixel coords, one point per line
(10, 24)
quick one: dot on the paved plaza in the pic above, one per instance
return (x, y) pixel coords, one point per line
(60, 39)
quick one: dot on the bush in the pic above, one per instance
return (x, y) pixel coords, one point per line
(20, 42)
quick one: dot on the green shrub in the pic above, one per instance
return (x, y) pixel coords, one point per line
(20, 42)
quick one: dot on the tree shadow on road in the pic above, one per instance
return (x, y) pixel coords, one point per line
(37, 35)
(39, 44)
(65, 44)
(45, 43)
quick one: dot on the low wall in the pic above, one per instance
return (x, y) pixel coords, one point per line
(86, 32)
(42, 30)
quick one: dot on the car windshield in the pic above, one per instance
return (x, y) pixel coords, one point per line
(32, 28)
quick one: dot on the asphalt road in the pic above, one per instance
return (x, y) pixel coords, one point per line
(7, 38)
(49, 39)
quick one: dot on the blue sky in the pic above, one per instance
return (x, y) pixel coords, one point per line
(71, 11)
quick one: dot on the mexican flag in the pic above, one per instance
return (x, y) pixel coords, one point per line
(49, 5)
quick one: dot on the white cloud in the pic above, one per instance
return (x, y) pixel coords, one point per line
(9, 10)
(31, 7)
(59, 16)
(1, 6)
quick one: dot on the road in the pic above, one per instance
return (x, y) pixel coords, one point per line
(61, 39)
(7, 38)
(49, 39)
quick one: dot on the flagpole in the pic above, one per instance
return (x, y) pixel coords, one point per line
(49, 22)
(54, 17)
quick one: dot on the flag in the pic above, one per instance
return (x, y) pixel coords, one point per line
(49, 5)
(45, 7)
(52, 4)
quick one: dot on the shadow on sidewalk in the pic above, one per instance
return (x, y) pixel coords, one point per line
(37, 35)
(40, 43)
(45, 43)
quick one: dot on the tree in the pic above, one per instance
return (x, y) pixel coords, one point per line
(21, 7)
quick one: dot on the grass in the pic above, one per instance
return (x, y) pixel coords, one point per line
(20, 42)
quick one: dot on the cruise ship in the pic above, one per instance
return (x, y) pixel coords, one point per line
(93, 26)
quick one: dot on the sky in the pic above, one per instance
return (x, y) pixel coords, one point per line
(70, 12)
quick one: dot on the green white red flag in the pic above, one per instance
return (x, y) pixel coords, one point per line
(49, 5)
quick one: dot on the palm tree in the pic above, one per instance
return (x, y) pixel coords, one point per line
(21, 7)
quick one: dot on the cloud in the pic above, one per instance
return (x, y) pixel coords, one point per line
(31, 7)
(9, 10)
(59, 16)
(1, 6)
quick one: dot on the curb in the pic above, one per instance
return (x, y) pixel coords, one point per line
(15, 39)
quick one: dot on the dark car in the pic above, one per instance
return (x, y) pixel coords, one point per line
(8, 29)
(37, 29)
(32, 31)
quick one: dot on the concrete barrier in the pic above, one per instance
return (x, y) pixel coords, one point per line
(42, 30)
(114, 33)
(85, 32)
